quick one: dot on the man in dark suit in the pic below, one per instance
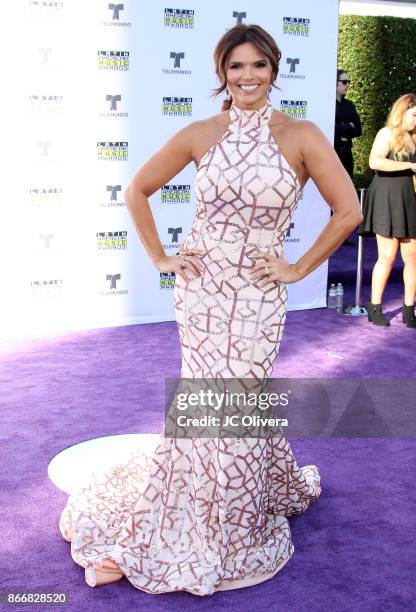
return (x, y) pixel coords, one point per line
(347, 123)
(347, 126)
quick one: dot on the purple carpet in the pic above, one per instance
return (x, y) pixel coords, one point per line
(354, 548)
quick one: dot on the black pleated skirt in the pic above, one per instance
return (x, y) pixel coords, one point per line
(390, 206)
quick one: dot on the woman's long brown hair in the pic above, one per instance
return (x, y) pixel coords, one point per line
(403, 142)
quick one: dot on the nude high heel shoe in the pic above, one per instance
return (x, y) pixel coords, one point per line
(108, 572)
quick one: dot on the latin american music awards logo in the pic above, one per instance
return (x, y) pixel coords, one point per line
(113, 60)
(296, 26)
(112, 151)
(113, 103)
(175, 194)
(47, 288)
(116, 11)
(45, 104)
(45, 196)
(180, 107)
(167, 280)
(45, 9)
(294, 108)
(112, 287)
(114, 197)
(179, 18)
(111, 241)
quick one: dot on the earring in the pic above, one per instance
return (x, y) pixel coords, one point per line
(270, 89)
(226, 91)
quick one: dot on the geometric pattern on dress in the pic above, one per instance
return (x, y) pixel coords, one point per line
(203, 514)
(246, 195)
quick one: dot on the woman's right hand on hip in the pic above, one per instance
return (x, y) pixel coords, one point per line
(187, 262)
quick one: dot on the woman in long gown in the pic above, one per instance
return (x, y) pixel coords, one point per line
(209, 514)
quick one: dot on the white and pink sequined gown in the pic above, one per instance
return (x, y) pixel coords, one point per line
(210, 514)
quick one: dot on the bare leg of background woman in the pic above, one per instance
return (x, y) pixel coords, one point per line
(387, 252)
(408, 253)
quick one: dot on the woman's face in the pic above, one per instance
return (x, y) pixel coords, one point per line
(248, 74)
(409, 119)
(342, 88)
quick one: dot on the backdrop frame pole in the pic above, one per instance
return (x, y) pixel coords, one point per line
(358, 310)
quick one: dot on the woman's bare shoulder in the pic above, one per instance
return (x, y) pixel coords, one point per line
(209, 124)
(385, 133)
(284, 122)
(199, 130)
(295, 131)
(205, 132)
(280, 119)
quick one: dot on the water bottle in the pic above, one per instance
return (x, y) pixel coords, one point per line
(332, 296)
(339, 300)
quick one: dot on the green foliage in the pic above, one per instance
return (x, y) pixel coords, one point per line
(379, 55)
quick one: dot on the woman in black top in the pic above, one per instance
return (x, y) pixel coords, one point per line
(390, 207)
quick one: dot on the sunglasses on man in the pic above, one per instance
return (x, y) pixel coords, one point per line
(344, 81)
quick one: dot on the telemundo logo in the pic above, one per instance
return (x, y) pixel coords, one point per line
(239, 16)
(289, 236)
(46, 240)
(45, 54)
(177, 57)
(113, 109)
(113, 200)
(112, 290)
(293, 63)
(174, 232)
(116, 11)
(44, 148)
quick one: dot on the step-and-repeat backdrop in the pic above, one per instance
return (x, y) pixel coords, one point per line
(101, 87)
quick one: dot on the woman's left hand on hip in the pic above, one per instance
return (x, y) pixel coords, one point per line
(268, 268)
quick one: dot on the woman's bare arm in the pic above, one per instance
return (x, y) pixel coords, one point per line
(156, 172)
(334, 184)
(379, 152)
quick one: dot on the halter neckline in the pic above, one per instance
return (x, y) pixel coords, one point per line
(251, 117)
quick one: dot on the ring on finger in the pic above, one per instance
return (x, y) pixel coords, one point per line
(267, 270)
